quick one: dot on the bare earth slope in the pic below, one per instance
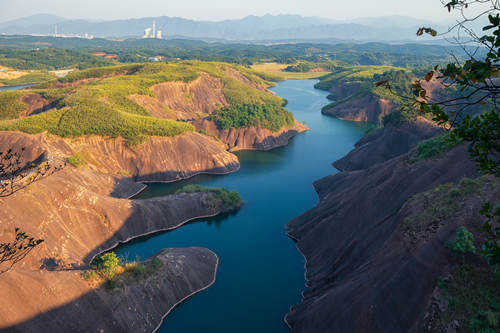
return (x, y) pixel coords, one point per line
(251, 138)
(359, 276)
(82, 212)
(385, 143)
(368, 108)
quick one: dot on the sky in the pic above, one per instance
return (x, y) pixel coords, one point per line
(216, 10)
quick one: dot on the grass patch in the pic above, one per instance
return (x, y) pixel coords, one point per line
(431, 208)
(76, 160)
(275, 72)
(36, 77)
(433, 147)
(110, 271)
(229, 200)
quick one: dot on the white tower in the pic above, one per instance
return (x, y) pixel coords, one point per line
(154, 30)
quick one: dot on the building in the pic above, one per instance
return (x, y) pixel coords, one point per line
(152, 32)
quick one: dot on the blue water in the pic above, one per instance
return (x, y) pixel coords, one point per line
(261, 273)
(21, 86)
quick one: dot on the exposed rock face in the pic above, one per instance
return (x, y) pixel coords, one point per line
(157, 159)
(243, 79)
(138, 307)
(361, 275)
(251, 138)
(36, 104)
(343, 90)
(82, 212)
(180, 100)
(368, 108)
(385, 143)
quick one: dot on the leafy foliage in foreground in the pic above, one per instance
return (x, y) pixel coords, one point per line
(271, 116)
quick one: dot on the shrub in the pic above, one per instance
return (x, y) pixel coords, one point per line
(433, 147)
(76, 160)
(270, 116)
(229, 200)
(464, 241)
(395, 118)
(107, 265)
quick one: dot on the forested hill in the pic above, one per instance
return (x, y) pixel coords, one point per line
(22, 50)
(249, 28)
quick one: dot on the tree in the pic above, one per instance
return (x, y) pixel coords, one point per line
(13, 252)
(14, 176)
(107, 265)
(477, 78)
(464, 242)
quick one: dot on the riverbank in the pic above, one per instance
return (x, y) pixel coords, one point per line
(276, 186)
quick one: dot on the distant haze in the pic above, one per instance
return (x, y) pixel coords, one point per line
(216, 10)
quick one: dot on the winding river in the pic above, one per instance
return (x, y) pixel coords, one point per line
(261, 273)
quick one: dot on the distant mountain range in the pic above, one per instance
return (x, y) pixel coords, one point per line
(250, 28)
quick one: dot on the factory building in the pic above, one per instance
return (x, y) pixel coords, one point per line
(152, 32)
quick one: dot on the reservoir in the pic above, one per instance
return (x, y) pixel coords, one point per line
(21, 86)
(261, 273)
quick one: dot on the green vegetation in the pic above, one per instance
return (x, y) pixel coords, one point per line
(139, 270)
(229, 200)
(473, 300)
(432, 207)
(49, 59)
(491, 228)
(271, 116)
(395, 118)
(307, 66)
(350, 74)
(277, 72)
(10, 105)
(109, 268)
(464, 242)
(433, 147)
(366, 79)
(105, 265)
(76, 160)
(36, 77)
(102, 107)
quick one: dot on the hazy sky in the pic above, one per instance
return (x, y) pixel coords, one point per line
(222, 9)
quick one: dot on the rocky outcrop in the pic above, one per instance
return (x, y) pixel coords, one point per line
(366, 107)
(157, 159)
(342, 90)
(250, 138)
(237, 75)
(80, 212)
(387, 142)
(361, 277)
(181, 100)
(36, 104)
(140, 306)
